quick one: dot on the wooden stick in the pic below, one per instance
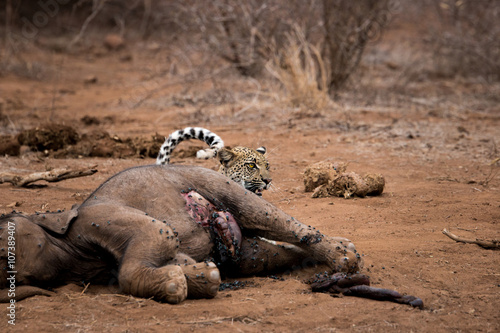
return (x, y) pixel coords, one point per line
(85, 289)
(54, 175)
(493, 244)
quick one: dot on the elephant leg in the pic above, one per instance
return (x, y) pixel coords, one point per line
(141, 244)
(22, 292)
(260, 256)
(261, 218)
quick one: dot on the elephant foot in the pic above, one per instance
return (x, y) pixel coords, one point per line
(348, 261)
(203, 279)
(346, 242)
(176, 287)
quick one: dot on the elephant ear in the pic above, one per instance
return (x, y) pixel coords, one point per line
(57, 222)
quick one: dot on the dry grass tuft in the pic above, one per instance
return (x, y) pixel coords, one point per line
(300, 69)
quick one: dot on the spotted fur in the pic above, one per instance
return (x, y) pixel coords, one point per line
(247, 167)
(213, 140)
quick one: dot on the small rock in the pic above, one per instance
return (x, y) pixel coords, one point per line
(126, 58)
(462, 129)
(114, 42)
(392, 65)
(153, 46)
(91, 79)
(89, 120)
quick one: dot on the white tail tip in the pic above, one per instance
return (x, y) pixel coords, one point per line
(206, 154)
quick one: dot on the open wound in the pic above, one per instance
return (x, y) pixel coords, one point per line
(221, 222)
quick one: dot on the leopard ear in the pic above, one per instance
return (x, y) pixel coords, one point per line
(261, 150)
(226, 157)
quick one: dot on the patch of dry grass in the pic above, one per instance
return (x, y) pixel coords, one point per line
(300, 69)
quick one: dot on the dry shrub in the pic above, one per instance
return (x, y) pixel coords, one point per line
(348, 27)
(244, 33)
(239, 31)
(247, 33)
(299, 67)
(467, 40)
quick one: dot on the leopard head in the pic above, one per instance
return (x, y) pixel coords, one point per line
(248, 167)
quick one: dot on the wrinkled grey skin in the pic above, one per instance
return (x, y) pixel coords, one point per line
(135, 229)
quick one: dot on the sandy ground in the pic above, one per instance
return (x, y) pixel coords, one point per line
(434, 149)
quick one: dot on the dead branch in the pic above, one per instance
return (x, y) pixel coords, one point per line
(487, 244)
(54, 175)
(8, 18)
(96, 8)
(85, 289)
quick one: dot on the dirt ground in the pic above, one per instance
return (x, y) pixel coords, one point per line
(433, 139)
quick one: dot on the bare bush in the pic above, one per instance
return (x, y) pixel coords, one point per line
(239, 31)
(468, 40)
(348, 26)
(246, 33)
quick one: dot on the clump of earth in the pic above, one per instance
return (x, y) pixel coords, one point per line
(62, 141)
(326, 179)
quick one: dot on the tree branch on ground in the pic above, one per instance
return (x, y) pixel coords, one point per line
(487, 244)
(54, 175)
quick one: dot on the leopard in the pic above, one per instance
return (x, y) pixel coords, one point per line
(246, 166)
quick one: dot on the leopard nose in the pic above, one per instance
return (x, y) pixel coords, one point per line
(267, 180)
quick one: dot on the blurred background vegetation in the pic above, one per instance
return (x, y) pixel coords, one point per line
(312, 48)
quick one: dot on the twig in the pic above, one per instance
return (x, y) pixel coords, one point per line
(243, 319)
(493, 244)
(95, 10)
(145, 18)
(85, 289)
(54, 175)
(470, 230)
(118, 295)
(8, 18)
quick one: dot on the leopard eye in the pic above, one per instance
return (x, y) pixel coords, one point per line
(251, 165)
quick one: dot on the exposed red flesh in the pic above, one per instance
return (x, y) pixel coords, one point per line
(221, 222)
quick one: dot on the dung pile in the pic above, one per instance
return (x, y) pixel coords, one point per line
(327, 179)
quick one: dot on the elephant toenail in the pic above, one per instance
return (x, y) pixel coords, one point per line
(214, 276)
(172, 288)
(213, 290)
